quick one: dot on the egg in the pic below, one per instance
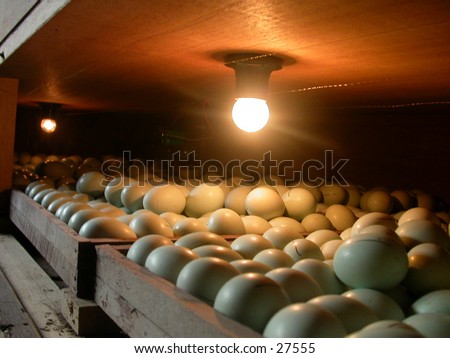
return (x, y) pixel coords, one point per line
(300, 249)
(329, 248)
(164, 198)
(36, 183)
(196, 239)
(92, 183)
(289, 222)
(333, 194)
(426, 201)
(353, 196)
(304, 320)
(78, 218)
(71, 209)
(113, 211)
(248, 266)
(428, 270)
(264, 202)
(353, 314)
(38, 197)
(431, 324)
(373, 219)
(132, 196)
(402, 200)
(226, 222)
(150, 223)
(56, 204)
(280, 236)
(172, 218)
(299, 286)
(62, 207)
(203, 199)
(251, 299)
(167, 261)
(299, 202)
(381, 230)
(235, 199)
(274, 258)
(320, 237)
(346, 234)
(255, 225)
(316, 221)
(341, 217)
(248, 245)
(435, 301)
(141, 248)
(416, 232)
(371, 261)
(381, 304)
(387, 329)
(205, 276)
(188, 225)
(106, 227)
(379, 201)
(418, 214)
(52, 196)
(322, 273)
(218, 251)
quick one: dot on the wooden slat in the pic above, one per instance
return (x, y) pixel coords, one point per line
(70, 255)
(145, 305)
(39, 295)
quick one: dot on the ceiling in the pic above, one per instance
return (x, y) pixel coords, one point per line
(142, 55)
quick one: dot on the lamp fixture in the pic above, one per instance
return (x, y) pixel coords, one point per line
(48, 122)
(250, 111)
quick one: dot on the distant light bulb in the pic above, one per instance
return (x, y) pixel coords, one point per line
(250, 114)
(48, 125)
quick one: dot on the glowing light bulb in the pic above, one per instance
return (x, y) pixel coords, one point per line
(250, 114)
(48, 125)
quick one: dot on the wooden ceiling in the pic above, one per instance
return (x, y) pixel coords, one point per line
(143, 55)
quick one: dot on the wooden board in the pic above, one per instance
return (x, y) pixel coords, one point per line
(38, 294)
(70, 255)
(145, 305)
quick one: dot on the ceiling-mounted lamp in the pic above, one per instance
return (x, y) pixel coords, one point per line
(48, 122)
(250, 111)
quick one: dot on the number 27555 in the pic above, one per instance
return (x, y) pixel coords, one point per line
(295, 348)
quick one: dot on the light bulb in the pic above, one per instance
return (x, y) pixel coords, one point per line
(48, 125)
(250, 114)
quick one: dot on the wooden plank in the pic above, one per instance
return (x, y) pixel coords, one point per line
(39, 295)
(145, 305)
(70, 255)
(14, 320)
(8, 105)
(86, 318)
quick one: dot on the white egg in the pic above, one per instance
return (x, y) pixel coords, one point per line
(329, 248)
(353, 314)
(435, 301)
(200, 238)
(77, 220)
(251, 299)
(300, 249)
(299, 286)
(304, 320)
(248, 266)
(167, 261)
(320, 237)
(430, 325)
(188, 225)
(316, 221)
(274, 258)
(205, 276)
(248, 245)
(289, 222)
(203, 199)
(383, 305)
(341, 217)
(141, 248)
(322, 273)
(255, 224)
(106, 227)
(52, 196)
(346, 234)
(56, 204)
(132, 196)
(418, 214)
(387, 329)
(226, 222)
(299, 202)
(373, 219)
(92, 183)
(235, 199)
(114, 189)
(163, 198)
(280, 236)
(371, 261)
(150, 223)
(219, 251)
(429, 269)
(417, 232)
(38, 188)
(264, 202)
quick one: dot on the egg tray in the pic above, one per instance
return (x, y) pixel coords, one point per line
(72, 256)
(143, 304)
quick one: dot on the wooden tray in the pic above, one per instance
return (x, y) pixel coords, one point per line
(143, 304)
(72, 256)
